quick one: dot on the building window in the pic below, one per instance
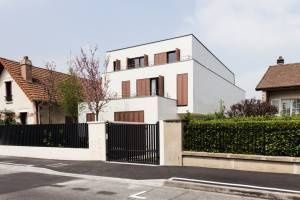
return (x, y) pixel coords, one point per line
(296, 107)
(23, 118)
(117, 65)
(90, 117)
(154, 86)
(8, 91)
(135, 62)
(286, 107)
(171, 56)
(276, 103)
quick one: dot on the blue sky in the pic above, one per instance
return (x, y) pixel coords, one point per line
(246, 35)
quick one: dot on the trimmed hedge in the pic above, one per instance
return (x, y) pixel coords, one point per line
(260, 137)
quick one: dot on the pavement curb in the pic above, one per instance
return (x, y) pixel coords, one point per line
(258, 193)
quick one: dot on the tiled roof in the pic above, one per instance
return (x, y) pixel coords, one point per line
(280, 76)
(35, 90)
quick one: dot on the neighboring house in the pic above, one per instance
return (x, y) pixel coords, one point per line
(163, 79)
(22, 92)
(280, 86)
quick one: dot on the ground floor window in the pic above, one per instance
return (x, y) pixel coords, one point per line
(287, 107)
(23, 118)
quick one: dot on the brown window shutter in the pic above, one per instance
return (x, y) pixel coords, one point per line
(146, 61)
(125, 89)
(147, 87)
(182, 89)
(143, 87)
(177, 54)
(90, 117)
(160, 58)
(161, 89)
(139, 87)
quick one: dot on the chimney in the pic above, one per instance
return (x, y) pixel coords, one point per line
(280, 60)
(26, 69)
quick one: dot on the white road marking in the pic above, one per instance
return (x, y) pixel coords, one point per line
(57, 165)
(136, 196)
(234, 185)
(15, 164)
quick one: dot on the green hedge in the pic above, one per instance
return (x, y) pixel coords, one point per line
(261, 137)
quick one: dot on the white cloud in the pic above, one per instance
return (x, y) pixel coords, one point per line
(248, 35)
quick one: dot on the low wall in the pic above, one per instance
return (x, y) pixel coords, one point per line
(96, 150)
(274, 164)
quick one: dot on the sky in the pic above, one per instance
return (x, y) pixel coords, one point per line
(246, 35)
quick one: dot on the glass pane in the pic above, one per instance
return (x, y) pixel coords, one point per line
(153, 87)
(141, 61)
(286, 107)
(275, 102)
(171, 57)
(136, 62)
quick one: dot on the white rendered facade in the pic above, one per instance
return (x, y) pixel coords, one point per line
(208, 80)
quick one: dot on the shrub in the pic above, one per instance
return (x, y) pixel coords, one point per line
(275, 137)
(251, 107)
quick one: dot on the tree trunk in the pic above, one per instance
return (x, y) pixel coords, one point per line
(97, 115)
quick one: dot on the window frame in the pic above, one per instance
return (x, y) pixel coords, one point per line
(8, 97)
(168, 59)
(136, 62)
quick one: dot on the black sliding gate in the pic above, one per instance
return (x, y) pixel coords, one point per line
(133, 143)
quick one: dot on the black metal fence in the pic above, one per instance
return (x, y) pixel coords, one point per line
(135, 143)
(45, 135)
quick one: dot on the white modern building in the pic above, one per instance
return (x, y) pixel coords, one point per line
(161, 80)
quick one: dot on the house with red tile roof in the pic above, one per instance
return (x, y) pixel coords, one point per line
(280, 86)
(23, 93)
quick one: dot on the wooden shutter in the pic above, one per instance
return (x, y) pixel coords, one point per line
(160, 58)
(129, 116)
(146, 61)
(177, 55)
(125, 89)
(161, 86)
(182, 89)
(143, 87)
(117, 65)
(90, 117)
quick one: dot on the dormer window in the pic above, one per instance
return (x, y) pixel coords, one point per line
(8, 91)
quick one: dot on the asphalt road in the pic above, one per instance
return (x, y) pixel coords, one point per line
(142, 172)
(28, 182)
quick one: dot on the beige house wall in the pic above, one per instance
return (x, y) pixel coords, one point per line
(284, 94)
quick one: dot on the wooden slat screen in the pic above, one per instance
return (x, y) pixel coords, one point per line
(143, 87)
(90, 117)
(125, 89)
(182, 89)
(160, 58)
(146, 60)
(161, 86)
(129, 116)
(177, 54)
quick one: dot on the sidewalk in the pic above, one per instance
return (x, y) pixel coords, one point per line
(141, 172)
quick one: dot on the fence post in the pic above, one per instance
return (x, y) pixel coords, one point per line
(161, 143)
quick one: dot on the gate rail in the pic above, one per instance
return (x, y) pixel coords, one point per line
(134, 143)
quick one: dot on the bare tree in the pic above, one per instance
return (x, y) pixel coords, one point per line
(94, 79)
(49, 84)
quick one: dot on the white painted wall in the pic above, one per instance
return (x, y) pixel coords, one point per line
(169, 71)
(182, 43)
(96, 150)
(20, 102)
(209, 89)
(155, 108)
(206, 58)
